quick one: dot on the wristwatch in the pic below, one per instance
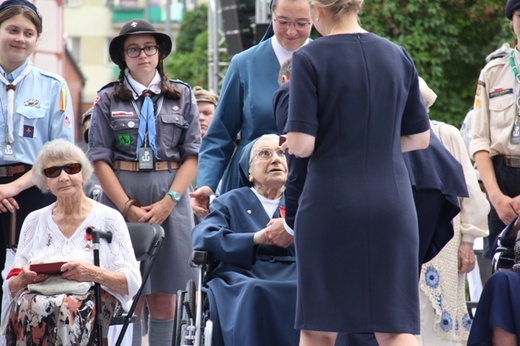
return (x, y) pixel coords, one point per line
(175, 196)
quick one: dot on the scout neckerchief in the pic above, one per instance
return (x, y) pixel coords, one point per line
(147, 130)
(515, 133)
(11, 87)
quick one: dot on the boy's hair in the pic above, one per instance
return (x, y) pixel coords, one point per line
(285, 70)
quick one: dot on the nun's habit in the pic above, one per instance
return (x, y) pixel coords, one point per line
(252, 291)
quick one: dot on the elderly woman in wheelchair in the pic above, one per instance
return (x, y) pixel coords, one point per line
(252, 290)
(497, 320)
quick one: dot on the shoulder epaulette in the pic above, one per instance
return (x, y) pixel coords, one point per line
(113, 83)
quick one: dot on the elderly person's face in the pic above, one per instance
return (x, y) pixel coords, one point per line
(63, 178)
(268, 168)
(291, 23)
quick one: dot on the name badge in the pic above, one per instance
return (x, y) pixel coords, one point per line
(145, 158)
(8, 152)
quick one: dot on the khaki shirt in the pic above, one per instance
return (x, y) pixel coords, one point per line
(495, 109)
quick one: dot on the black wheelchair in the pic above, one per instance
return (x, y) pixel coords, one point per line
(192, 323)
(507, 253)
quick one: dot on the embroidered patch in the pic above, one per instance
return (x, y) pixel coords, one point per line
(116, 114)
(28, 131)
(66, 122)
(124, 140)
(97, 99)
(32, 103)
(500, 92)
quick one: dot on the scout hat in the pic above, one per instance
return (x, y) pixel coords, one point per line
(511, 6)
(202, 95)
(136, 27)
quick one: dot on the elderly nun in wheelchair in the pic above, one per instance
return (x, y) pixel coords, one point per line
(50, 289)
(252, 291)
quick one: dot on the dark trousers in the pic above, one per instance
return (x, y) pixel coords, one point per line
(28, 200)
(508, 180)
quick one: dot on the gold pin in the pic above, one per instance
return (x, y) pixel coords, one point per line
(175, 108)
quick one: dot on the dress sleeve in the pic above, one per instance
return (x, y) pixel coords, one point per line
(415, 115)
(303, 106)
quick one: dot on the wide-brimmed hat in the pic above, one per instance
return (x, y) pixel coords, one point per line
(511, 6)
(136, 27)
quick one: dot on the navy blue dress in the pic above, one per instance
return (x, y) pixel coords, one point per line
(356, 226)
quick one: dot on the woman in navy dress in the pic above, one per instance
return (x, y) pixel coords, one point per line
(356, 230)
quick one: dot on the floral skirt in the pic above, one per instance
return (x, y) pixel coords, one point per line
(61, 319)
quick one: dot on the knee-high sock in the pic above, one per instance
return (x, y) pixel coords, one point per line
(137, 335)
(160, 332)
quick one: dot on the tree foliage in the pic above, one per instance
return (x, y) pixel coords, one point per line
(447, 39)
(189, 63)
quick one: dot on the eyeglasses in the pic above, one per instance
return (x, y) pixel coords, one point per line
(55, 171)
(285, 24)
(267, 154)
(134, 52)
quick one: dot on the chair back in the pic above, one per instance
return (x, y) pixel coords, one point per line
(146, 238)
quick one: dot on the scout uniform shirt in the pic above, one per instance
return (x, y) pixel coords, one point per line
(42, 112)
(115, 126)
(495, 109)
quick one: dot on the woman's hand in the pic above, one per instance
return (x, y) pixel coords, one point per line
(504, 207)
(80, 271)
(135, 213)
(30, 277)
(276, 233)
(7, 202)
(200, 201)
(158, 211)
(8, 205)
(466, 258)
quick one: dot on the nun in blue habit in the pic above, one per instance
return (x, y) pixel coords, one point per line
(245, 108)
(252, 291)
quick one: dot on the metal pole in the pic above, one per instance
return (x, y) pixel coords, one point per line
(213, 53)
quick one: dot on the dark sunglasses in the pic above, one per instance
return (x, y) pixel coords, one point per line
(54, 172)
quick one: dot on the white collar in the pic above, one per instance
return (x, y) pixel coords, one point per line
(138, 88)
(281, 53)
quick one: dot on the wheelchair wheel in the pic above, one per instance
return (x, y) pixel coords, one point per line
(185, 316)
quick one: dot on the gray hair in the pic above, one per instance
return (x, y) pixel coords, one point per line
(59, 150)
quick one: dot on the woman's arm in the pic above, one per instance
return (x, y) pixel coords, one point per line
(113, 189)
(300, 144)
(88, 272)
(416, 141)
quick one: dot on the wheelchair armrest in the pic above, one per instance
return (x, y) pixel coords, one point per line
(200, 258)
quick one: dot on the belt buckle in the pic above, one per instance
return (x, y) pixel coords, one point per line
(3, 171)
(514, 161)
